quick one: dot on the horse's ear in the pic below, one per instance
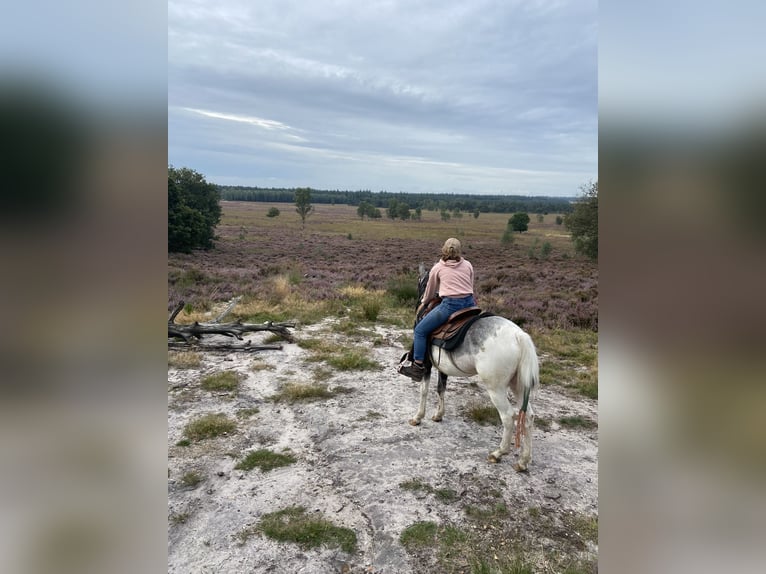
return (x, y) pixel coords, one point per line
(421, 269)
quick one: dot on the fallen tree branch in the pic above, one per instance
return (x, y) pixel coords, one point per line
(192, 333)
(182, 346)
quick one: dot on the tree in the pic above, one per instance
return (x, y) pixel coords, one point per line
(303, 203)
(193, 210)
(582, 222)
(393, 209)
(519, 222)
(364, 209)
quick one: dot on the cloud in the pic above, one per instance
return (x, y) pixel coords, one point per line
(498, 88)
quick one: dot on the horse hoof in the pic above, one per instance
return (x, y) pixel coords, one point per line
(518, 468)
(493, 459)
(436, 419)
(414, 422)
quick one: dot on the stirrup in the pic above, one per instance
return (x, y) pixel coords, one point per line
(413, 371)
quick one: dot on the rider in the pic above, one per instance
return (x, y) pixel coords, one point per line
(452, 278)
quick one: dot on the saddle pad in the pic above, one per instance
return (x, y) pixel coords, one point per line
(450, 335)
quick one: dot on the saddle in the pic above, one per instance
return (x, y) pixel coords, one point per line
(449, 335)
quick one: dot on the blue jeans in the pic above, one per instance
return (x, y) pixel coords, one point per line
(437, 317)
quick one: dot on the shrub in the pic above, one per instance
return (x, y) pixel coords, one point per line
(209, 426)
(583, 222)
(191, 479)
(273, 212)
(404, 288)
(371, 308)
(193, 210)
(265, 459)
(419, 535)
(519, 222)
(225, 381)
(294, 525)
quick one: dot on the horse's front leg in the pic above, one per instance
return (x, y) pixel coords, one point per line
(415, 421)
(441, 387)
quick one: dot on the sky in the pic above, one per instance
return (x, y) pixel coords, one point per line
(480, 97)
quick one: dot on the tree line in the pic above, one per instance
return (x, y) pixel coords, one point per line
(194, 211)
(425, 201)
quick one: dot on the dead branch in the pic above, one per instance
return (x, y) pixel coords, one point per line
(228, 309)
(181, 346)
(193, 333)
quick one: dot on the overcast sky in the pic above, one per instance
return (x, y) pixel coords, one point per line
(495, 96)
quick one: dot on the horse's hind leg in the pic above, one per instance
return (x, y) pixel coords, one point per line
(415, 421)
(441, 387)
(526, 440)
(499, 398)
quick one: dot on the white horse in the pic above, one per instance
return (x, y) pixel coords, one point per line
(504, 358)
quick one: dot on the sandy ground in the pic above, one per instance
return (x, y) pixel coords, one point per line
(350, 464)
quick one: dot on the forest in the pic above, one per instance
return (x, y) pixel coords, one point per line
(426, 201)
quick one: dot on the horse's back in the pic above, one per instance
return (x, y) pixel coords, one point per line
(491, 349)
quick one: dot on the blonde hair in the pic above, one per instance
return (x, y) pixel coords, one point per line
(451, 249)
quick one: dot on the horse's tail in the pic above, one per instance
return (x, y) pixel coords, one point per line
(528, 376)
(528, 371)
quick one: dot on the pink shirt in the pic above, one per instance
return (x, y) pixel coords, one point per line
(450, 279)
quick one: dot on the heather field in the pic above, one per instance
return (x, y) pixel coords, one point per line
(303, 458)
(284, 271)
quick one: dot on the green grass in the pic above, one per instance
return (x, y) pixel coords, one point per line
(586, 527)
(178, 518)
(371, 416)
(571, 361)
(542, 423)
(226, 381)
(259, 365)
(209, 426)
(184, 359)
(247, 413)
(191, 479)
(371, 308)
(404, 289)
(483, 414)
(445, 495)
(322, 374)
(296, 392)
(418, 535)
(293, 524)
(513, 566)
(353, 360)
(577, 422)
(487, 513)
(184, 442)
(415, 485)
(339, 356)
(265, 459)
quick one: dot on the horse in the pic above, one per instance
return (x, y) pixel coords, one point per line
(505, 359)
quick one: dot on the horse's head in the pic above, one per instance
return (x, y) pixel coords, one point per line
(422, 281)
